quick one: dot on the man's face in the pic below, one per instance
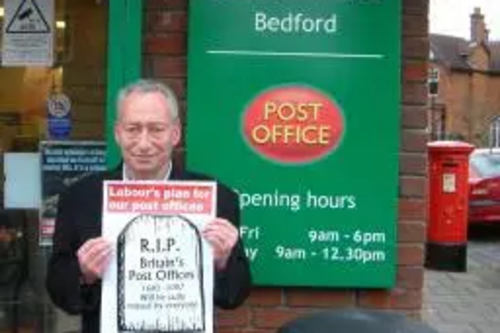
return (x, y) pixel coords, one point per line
(146, 134)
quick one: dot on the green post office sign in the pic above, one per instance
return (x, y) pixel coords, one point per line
(296, 105)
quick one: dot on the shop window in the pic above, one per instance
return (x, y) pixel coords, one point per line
(78, 72)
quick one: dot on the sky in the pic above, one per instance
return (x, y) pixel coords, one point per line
(452, 17)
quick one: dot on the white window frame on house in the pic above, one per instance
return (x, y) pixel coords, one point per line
(495, 132)
(433, 78)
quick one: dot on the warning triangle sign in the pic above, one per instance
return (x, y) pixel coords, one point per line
(28, 19)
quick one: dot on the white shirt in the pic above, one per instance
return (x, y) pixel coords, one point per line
(167, 175)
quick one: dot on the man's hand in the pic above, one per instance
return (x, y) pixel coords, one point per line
(93, 257)
(222, 235)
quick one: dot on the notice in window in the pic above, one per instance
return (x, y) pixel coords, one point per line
(28, 33)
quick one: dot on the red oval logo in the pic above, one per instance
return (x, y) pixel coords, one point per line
(293, 124)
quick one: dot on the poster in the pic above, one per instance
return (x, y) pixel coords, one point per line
(62, 164)
(28, 33)
(160, 278)
(308, 96)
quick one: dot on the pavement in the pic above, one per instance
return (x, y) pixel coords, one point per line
(467, 302)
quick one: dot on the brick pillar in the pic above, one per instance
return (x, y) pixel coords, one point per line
(165, 58)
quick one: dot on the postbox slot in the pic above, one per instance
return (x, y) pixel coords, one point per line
(450, 164)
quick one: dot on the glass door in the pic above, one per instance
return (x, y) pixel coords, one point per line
(60, 86)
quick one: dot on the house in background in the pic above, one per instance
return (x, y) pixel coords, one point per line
(464, 86)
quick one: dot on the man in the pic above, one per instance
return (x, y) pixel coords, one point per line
(146, 131)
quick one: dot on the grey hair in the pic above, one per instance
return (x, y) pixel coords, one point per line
(144, 86)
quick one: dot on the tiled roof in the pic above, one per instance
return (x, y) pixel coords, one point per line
(453, 52)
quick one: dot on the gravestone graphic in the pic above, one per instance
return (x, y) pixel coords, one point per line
(160, 275)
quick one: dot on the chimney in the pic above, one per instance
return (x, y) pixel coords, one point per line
(478, 32)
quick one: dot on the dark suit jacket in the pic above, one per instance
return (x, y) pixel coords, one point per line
(79, 218)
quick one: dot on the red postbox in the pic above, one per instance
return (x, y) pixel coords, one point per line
(448, 172)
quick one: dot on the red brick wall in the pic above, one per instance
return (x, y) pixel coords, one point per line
(165, 58)
(471, 99)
